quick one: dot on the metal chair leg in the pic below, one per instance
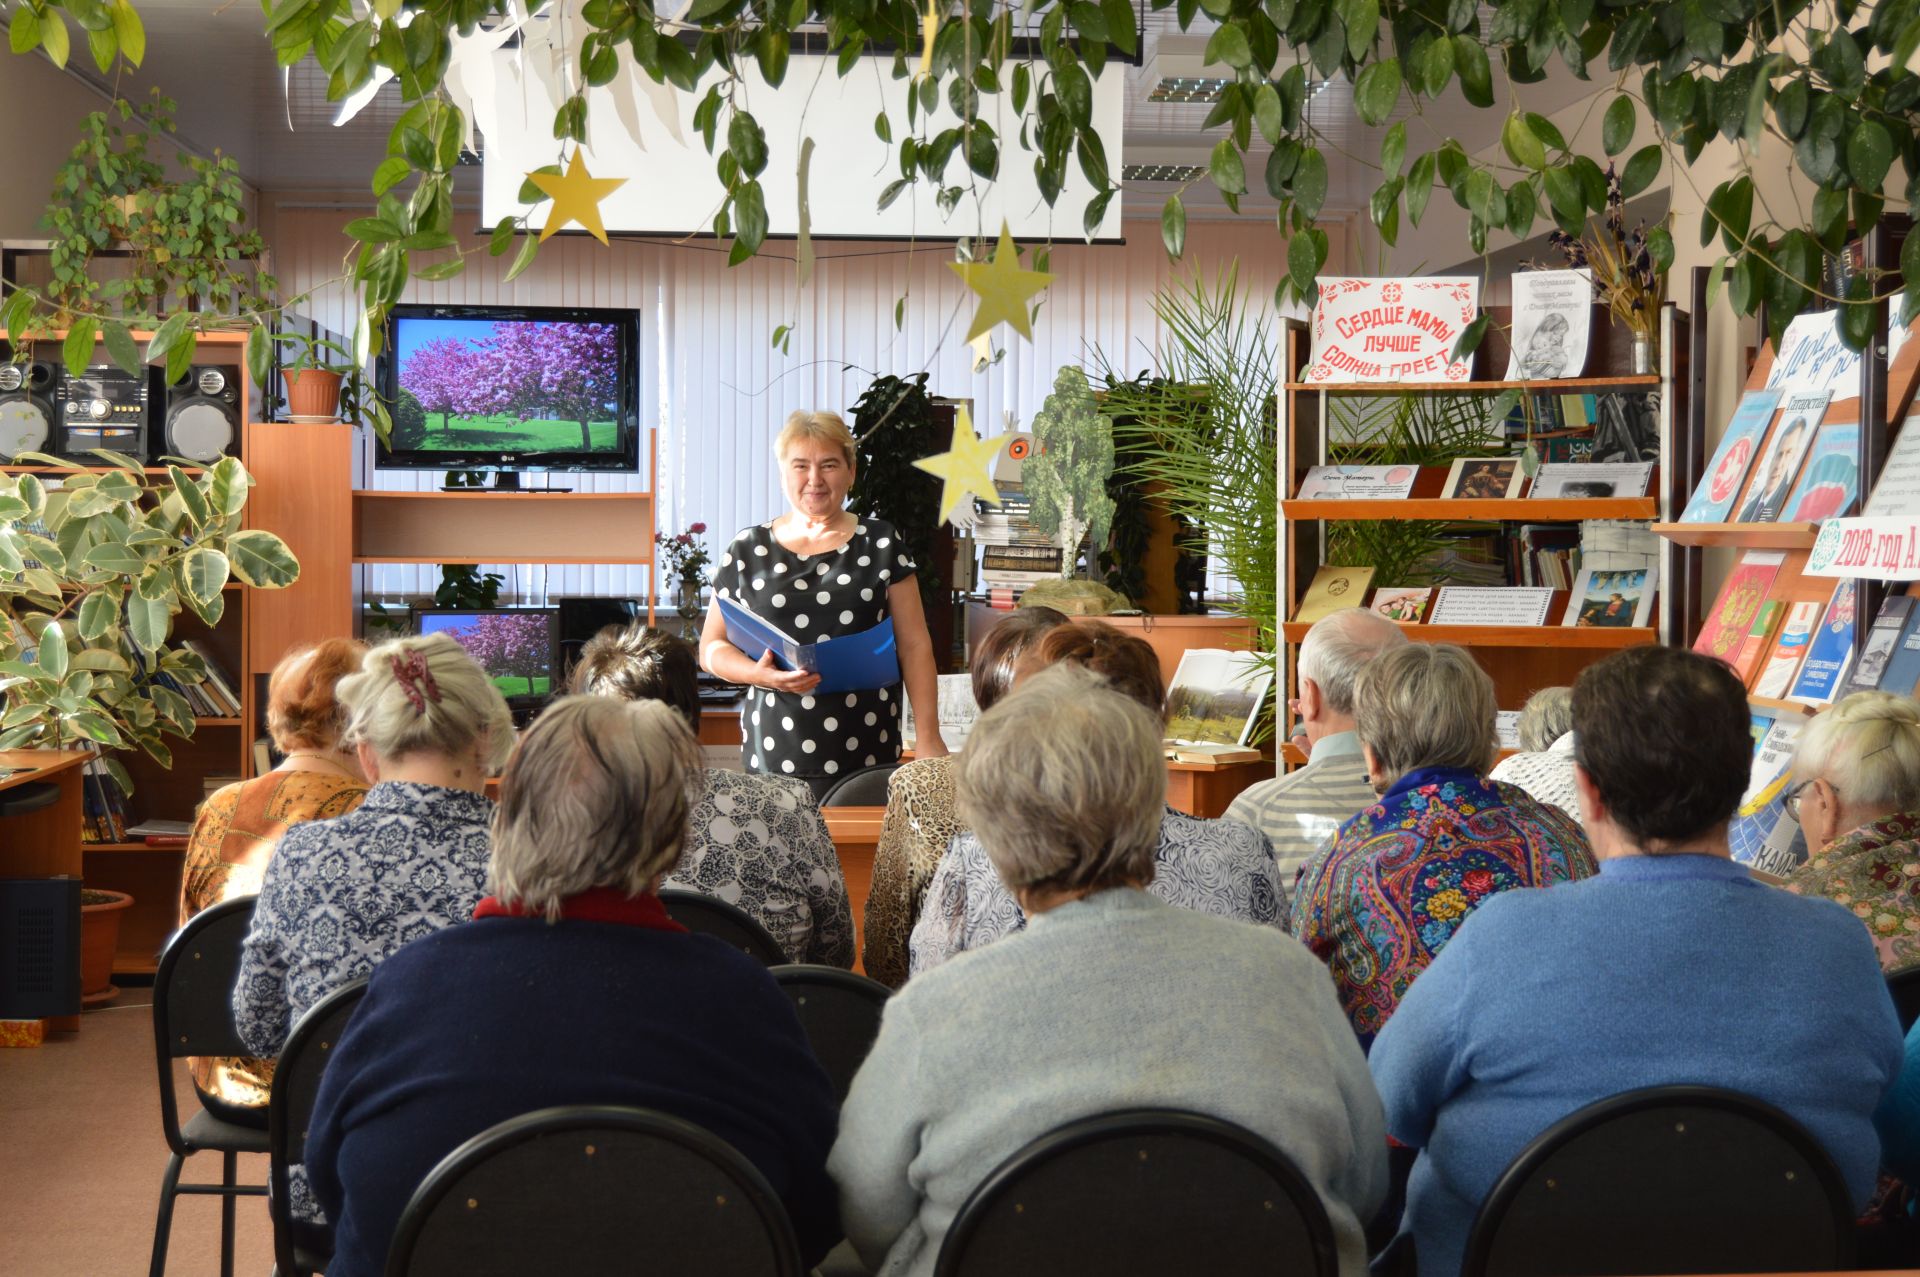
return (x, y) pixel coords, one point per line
(163, 1223)
(230, 1165)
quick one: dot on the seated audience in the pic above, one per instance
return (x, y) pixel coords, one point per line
(1544, 765)
(1856, 794)
(1898, 1120)
(1300, 811)
(920, 820)
(572, 986)
(429, 727)
(1674, 965)
(1112, 999)
(1398, 879)
(1214, 866)
(237, 828)
(755, 841)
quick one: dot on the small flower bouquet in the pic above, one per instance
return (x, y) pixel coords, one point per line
(1624, 277)
(684, 555)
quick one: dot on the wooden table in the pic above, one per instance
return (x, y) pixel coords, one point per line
(44, 843)
(856, 834)
(1206, 790)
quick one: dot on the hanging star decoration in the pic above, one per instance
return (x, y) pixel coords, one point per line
(929, 28)
(967, 471)
(982, 351)
(1003, 288)
(576, 198)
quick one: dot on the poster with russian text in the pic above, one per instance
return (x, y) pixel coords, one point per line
(1551, 312)
(1391, 330)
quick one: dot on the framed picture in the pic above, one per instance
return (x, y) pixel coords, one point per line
(1611, 599)
(1478, 478)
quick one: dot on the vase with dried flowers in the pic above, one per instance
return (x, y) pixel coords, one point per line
(1624, 278)
(685, 557)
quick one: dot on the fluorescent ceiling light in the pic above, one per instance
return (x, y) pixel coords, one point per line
(1162, 172)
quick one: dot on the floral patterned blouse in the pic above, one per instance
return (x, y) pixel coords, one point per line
(1874, 871)
(1396, 882)
(233, 834)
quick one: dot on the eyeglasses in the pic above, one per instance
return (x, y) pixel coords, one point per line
(1791, 800)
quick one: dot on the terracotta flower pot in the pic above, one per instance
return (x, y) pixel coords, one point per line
(313, 392)
(99, 940)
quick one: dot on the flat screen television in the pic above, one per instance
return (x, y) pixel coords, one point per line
(511, 389)
(516, 646)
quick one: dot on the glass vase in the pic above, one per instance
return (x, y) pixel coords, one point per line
(1642, 355)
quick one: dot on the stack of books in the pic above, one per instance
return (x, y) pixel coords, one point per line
(103, 806)
(213, 697)
(1013, 553)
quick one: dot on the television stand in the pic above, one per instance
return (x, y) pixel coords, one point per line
(503, 481)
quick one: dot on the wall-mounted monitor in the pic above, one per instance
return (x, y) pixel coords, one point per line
(511, 388)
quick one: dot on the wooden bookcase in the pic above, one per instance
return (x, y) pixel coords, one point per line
(1520, 659)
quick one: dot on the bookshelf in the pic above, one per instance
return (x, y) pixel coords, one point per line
(1520, 659)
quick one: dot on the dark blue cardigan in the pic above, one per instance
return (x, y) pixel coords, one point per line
(498, 1017)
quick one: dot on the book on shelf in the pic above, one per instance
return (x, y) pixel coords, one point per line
(1184, 753)
(1472, 605)
(262, 755)
(1882, 638)
(1713, 500)
(1591, 480)
(1407, 606)
(1545, 554)
(1332, 589)
(103, 807)
(1830, 654)
(211, 785)
(1616, 598)
(1771, 483)
(1616, 545)
(1789, 649)
(1897, 490)
(1903, 667)
(1746, 661)
(219, 686)
(1215, 697)
(1830, 479)
(1739, 602)
(1762, 835)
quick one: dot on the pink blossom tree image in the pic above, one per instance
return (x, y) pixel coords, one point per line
(510, 648)
(555, 372)
(440, 375)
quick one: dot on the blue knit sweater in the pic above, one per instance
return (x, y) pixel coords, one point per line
(1661, 970)
(501, 1016)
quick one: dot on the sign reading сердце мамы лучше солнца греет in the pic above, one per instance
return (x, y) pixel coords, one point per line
(1391, 330)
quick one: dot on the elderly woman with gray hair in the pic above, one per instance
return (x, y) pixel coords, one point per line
(572, 986)
(1396, 882)
(1544, 765)
(1094, 1006)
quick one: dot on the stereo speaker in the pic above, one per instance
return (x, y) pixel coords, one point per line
(39, 947)
(203, 416)
(26, 408)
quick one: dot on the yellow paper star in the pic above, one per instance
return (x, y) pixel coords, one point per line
(576, 198)
(982, 351)
(967, 469)
(929, 28)
(1003, 288)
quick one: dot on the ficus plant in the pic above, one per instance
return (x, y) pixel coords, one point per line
(1829, 80)
(94, 567)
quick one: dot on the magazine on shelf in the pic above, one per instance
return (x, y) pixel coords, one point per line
(1332, 589)
(1824, 671)
(1796, 639)
(1762, 835)
(1830, 479)
(1483, 478)
(1406, 606)
(1772, 480)
(1215, 697)
(1903, 666)
(1739, 602)
(1746, 661)
(1897, 490)
(1713, 500)
(1592, 480)
(1881, 640)
(1620, 598)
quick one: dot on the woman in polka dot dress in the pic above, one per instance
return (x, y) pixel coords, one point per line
(819, 572)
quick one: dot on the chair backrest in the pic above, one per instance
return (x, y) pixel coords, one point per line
(582, 1189)
(1904, 985)
(1143, 1191)
(193, 997)
(1667, 1179)
(840, 1012)
(864, 788)
(296, 1080)
(722, 921)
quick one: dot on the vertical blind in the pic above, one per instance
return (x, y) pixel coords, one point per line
(715, 388)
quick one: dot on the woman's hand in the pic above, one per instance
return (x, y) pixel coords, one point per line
(929, 746)
(774, 679)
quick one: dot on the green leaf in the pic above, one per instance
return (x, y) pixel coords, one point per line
(52, 654)
(204, 572)
(1716, 277)
(1476, 73)
(191, 498)
(23, 36)
(262, 560)
(54, 38)
(166, 337)
(1270, 115)
(121, 348)
(77, 351)
(1393, 149)
(1436, 65)
(99, 613)
(1226, 169)
(1730, 209)
(1303, 264)
(1377, 91)
(1420, 186)
(111, 556)
(1660, 249)
(1227, 46)
(1173, 227)
(392, 171)
(259, 353)
(1522, 147)
(529, 245)
(1310, 182)
(1470, 339)
(148, 622)
(748, 143)
(1616, 128)
(501, 237)
(1641, 169)
(1362, 19)
(1869, 154)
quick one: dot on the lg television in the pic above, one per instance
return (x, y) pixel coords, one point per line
(516, 646)
(511, 389)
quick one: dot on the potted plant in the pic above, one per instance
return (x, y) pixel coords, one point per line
(94, 566)
(323, 381)
(99, 941)
(684, 557)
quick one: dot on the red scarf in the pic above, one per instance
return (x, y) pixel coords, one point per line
(596, 904)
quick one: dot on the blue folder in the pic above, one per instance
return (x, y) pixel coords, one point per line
(850, 663)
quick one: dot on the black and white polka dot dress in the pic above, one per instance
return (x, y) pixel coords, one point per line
(816, 596)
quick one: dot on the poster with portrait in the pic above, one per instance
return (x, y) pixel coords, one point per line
(1552, 310)
(1391, 330)
(1772, 483)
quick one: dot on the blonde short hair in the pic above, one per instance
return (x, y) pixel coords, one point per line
(825, 427)
(1867, 746)
(597, 795)
(1064, 784)
(1426, 705)
(1545, 718)
(424, 694)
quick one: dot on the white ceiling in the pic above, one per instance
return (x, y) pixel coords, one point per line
(211, 57)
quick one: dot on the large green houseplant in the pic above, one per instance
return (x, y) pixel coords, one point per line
(94, 566)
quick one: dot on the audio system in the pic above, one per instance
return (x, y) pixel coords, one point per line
(43, 408)
(102, 408)
(26, 408)
(203, 416)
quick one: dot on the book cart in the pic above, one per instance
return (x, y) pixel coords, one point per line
(1520, 659)
(1880, 401)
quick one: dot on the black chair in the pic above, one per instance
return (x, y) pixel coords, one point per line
(584, 1189)
(864, 788)
(1667, 1179)
(840, 1011)
(1904, 985)
(296, 1080)
(1142, 1191)
(722, 921)
(193, 1015)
